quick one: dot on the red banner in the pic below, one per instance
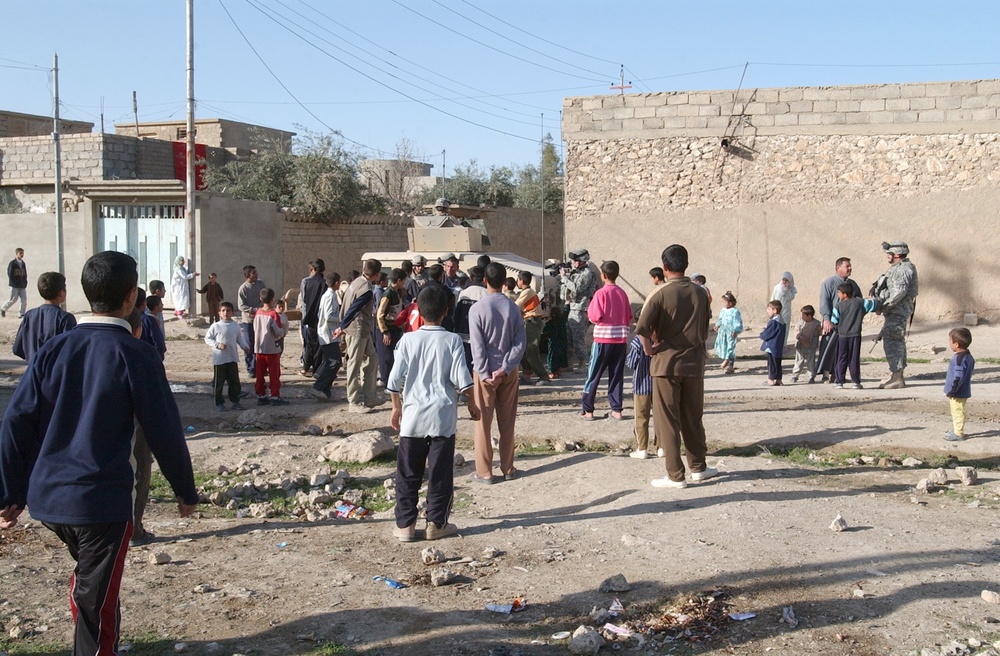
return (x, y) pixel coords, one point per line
(180, 163)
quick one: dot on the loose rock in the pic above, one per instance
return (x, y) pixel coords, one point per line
(913, 462)
(459, 460)
(442, 576)
(616, 583)
(202, 588)
(635, 541)
(839, 524)
(491, 552)
(968, 475)
(990, 597)
(430, 556)
(314, 430)
(925, 485)
(180, 647)
(585, 640)
(159, 558)
(359, 447)
(939, 476)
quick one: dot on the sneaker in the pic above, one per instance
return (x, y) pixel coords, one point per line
(221, 407)
(405, 534)
(838, 386)
(812, 379)
(319, 394)
(704, 475)
(277, 400)
(262, 400)
(358, 409)
(667, 482)
(237, 406)
(147, 537)
(857, 386)
(952, 437)
(795, 379)
(660, 453)
(3, 313)
(433, 532)
(639, 454)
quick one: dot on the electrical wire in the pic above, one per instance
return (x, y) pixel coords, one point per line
(30, 66)
(484, 45)
(383, 84)
(506, 38)
(388, 63)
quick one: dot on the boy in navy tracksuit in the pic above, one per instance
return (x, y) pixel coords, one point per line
(45, 321)
(847, 316)
(66, 445)
(773, 339)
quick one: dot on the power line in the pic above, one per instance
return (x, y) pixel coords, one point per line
(484, 45)
(383, 84)
(875, 65)
(388, 63)
(26, 64)
(492, 31)
(535, 36)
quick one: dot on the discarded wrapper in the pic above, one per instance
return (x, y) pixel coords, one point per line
(513, 607)
(348, 510)
(617, 630)
(739, 617)
(389, 582)
(561, 635)
(615, 608)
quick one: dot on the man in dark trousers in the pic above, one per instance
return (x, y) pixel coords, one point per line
(310, 292)
(673, 328)
(66, 445)
(17, 278)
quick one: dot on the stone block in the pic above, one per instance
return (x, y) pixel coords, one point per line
(856, 118)
(905, 117)
(696, 122)
(912, 90)
(668, 111)
(609, 126)
(931, 116)
(755, 108)
(677, 99)
(762, 95)
(958, 114)
(786, 119)
(838, 93)
(962, 89)
(656, 99)
(589, 104)
(700, 98)
(612, 102)
(763, 121)
(984, 114)
(602, 114)
(717, 122)
(645, 112)
(811, 119)
(947, 102)
(987, 87)
(632, 124)
(845, 106)
(863, 93)
(674, 122)
(887, 91)
(635, 100)
(937, 89)
(689, 110)
(881, 117)
(822, 106)
(652, 123)
(873, 105)
(709, 110)
(623, 113)
(721, 97)
(815, 94)
(922, 102)
(994, 100)
(800, 106)
(974, 102)
(897, 104)
(789, 95)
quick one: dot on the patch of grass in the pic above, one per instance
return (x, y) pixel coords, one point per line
(988, 360)
(149, 643)
(535, 449)
(372, 493)
(461, 501)
(19, 647)
(180, 337)
(330, 649)
(384, 460)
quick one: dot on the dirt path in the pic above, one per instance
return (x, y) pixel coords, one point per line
(907, 575)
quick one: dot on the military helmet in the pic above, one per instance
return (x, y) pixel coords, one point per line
(896, 248)
(442, 203)
(579, 255)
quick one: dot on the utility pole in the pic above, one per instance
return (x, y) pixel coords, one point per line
(541, 177)
(60, 257)
(621, 86)
(135, 113)
(444, 175)
(189, 207)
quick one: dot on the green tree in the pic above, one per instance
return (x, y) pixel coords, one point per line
(530, 181)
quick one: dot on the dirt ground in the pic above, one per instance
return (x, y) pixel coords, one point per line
(906, 575)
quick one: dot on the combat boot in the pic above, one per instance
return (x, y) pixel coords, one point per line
(895, 381)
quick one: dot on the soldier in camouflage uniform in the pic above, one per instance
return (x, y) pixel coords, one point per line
(896, 289)
(577, 288)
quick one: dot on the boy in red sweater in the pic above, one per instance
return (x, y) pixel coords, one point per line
(611, 314)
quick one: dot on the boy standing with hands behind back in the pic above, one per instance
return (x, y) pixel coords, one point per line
(223, 337)
(432, 362)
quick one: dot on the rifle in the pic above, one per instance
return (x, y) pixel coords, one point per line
(878, 338)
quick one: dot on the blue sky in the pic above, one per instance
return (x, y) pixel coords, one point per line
(470, 77)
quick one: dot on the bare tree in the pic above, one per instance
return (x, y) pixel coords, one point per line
(395, 180)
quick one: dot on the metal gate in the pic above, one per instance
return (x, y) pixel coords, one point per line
(152, 234)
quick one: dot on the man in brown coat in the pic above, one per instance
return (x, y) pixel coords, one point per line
(673, 328)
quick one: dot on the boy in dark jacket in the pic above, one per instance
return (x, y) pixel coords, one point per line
(773, 339)
(958, 382)
(66, 444)
(848, 314)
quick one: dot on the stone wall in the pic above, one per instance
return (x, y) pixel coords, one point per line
(14, 124)
(805, 175)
